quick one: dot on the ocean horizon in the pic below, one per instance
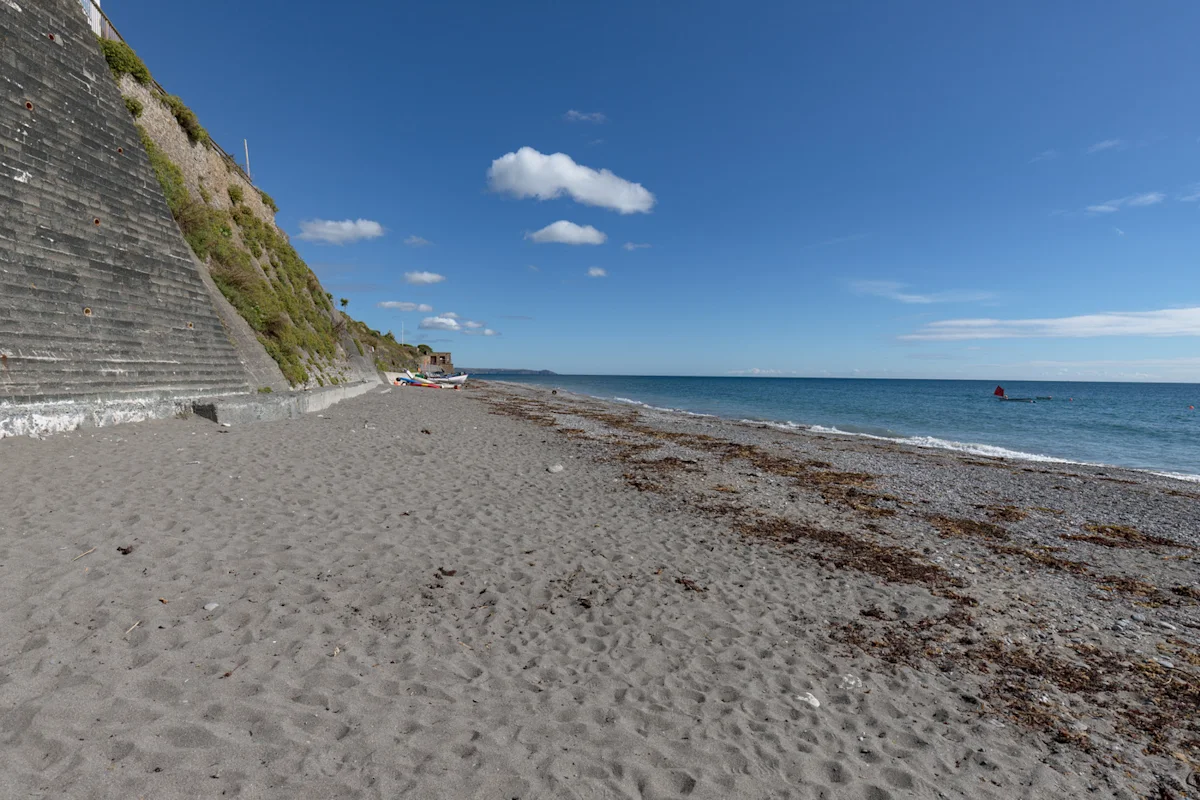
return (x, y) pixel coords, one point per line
(1146, 426)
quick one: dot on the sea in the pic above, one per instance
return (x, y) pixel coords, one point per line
(1146, 426)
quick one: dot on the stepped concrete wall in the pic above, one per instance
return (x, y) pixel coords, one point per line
(103, 313)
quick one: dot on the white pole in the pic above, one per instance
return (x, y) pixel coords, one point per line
(246, 144)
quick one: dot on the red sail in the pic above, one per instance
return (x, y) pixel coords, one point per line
(999, 391)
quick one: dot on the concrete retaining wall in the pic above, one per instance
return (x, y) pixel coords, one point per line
(103, 313)
(243, 409)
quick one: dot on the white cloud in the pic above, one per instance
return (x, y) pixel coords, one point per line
(1192, 194)
(1147, 199)
(473, 325)
(528, 173)
(449, 314)
(532, 268)
(400, 305)
(1129, 201)
(895, 291)
(417, 241)
(597, 272)
(1165, 322)
(423, 278)
(484, 332)
(339, 232)
(582, 116)
(1119, 231)
(1045, 155)
(631, 246)
(758, 371)
(441, 323)
(1107, 144)
(565, 232)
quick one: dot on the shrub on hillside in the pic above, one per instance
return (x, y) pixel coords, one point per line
(186, 118)
(135, 106)
(268, 202)
(235, 194)
(123, 61)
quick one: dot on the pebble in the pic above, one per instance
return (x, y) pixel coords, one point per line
(1138, 617)
(851, 682)
(1166, 626)
(807, 697)
(211, 606)
(1166, 662)
(555, 469)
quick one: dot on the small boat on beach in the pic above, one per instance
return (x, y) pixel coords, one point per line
(407, 378)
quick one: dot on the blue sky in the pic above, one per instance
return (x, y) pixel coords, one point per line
(910, 190)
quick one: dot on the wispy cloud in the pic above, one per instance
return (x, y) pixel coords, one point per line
(631, 246)
(328, 231)
(528, 173)
(585, 116)
(597, 272)
(423, 278)
(1191, 194)
(564, 232)
(896, 291)
(1107, 144)
(402, 305)
(1164, 322)
(482, 332)
(1129, 201)
(532, 267)
(1045, 155)
(417, 241)
(1119, 231)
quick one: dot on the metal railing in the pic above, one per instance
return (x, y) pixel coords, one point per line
(109, 31)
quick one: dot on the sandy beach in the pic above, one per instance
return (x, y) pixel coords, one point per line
(404, 596)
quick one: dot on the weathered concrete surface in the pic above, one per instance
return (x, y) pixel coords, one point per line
(243, 409)
(103, 313)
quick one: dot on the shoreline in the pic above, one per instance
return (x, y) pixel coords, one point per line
(688, 608)
(925, 442)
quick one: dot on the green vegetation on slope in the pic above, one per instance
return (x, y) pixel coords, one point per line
(390, 355)
(252, 262)
(282, 300)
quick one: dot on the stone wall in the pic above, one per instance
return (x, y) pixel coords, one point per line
(103, 313)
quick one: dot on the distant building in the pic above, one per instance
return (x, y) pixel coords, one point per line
(91, 10)
(437, 362)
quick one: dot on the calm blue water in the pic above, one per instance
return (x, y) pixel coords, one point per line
(1140, 425)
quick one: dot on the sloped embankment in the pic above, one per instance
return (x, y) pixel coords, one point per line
(230, 225)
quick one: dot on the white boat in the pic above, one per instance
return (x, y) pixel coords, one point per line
(454, 380)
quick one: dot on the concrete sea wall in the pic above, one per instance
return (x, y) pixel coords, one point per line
(104, 316)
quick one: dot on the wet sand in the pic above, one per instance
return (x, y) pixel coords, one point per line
(689, 608)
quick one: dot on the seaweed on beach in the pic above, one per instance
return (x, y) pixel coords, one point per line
(1042, 556)
(643, 484)
(1144, 700)
(893, 564)
(1120, 536)
(969, 528)
(1004, 513)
